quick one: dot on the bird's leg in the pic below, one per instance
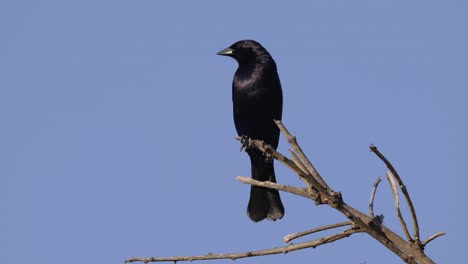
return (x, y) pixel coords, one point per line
(245, 142)
(268, 157)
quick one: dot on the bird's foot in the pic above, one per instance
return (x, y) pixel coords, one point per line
(268, 157)
(245, 142)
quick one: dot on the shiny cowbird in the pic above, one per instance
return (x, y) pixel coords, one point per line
(258, 101)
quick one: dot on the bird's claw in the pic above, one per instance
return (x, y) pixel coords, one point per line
(268, 157)
(245, 142)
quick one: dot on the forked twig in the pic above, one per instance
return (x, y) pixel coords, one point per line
(403, 190)
(293, 142)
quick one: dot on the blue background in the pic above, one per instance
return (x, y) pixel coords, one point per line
(116, 134)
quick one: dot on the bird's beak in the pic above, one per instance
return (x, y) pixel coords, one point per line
(226, 52)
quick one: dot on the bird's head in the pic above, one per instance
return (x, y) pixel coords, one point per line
(246, 51)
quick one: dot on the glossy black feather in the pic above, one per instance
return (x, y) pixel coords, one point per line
(257, 101)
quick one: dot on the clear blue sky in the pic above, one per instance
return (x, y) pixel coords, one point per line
(116, 134)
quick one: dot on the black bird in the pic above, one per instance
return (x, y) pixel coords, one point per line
(257, 100)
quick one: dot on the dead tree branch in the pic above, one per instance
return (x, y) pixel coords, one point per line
(267, 184)
(293, 236)
(271, 251)
(298, 150)
(409, 250)
(404, 190)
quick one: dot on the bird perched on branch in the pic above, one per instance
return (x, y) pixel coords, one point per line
(258, 101)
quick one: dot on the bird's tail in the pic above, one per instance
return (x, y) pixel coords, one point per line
(264, 202)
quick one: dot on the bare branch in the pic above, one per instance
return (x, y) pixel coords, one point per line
(262, 146)
(434, 236)
(393, 187)
(299, 163)
(234, 256)
(404, 190)
(293, 236)
(268, 184)
(320, 192)
(405, 250)
(372, 196)
(385, 236)
(293, 142)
